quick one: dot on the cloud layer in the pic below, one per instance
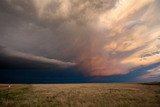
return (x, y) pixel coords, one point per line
(105, 37)
(12, 57)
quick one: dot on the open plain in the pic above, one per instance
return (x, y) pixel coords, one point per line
(80, 95)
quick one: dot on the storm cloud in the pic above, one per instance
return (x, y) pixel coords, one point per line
(104, 37)
(15, 57)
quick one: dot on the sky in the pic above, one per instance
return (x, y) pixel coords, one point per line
(80, 40)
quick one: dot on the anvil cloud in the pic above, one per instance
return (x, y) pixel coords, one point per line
(103, 37)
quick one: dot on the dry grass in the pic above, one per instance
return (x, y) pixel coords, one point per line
(80, 95)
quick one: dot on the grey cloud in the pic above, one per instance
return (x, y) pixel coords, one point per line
(66, 30)
(50, 35)
(14, 56)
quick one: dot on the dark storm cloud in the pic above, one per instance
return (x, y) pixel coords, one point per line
(9, 57)
(48, 28)
(104, 37)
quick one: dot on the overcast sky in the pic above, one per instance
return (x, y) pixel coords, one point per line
(102, 37)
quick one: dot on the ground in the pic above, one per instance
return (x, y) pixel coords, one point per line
(80, 95)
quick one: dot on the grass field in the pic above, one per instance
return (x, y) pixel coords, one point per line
(80, 95)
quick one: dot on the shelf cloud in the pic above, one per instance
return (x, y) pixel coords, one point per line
(29, 60)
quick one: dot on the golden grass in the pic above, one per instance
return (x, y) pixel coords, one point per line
(80, 95)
